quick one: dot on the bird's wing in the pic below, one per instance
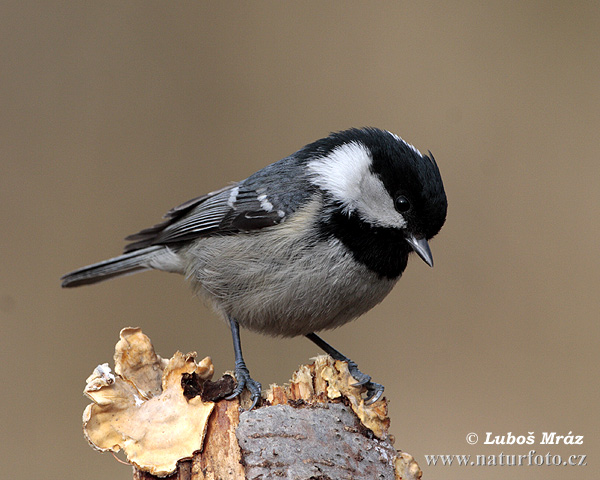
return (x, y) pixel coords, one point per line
(245, 206)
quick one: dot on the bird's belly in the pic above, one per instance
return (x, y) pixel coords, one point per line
(277, 289)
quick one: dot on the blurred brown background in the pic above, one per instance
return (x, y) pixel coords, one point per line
(113, 112)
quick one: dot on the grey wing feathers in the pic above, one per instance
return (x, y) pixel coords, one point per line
(231, 209)
(264, 199)
(185, 221)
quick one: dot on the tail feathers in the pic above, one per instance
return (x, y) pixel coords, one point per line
(127, 264)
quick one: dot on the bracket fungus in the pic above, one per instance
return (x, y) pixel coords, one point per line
(327, 379)
(163, 415)
(142, 409)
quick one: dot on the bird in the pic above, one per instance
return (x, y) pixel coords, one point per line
(305, 244)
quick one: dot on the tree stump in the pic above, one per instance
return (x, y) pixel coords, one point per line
(172, 421)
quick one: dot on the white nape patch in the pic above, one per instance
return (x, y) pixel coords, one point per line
(233, 196)
(264, 203)
(342, 171)
(413, 148)
(345, 173)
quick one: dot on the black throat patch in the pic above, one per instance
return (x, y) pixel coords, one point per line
(382, 250)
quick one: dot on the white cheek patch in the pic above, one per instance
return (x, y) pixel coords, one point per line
(345, 174)
(375, 204)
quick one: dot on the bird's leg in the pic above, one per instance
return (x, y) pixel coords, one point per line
(374, 390)
(242, 375)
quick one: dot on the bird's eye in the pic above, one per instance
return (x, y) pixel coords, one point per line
(402, 204)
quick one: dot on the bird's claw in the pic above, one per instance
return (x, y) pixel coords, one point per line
(243, 379)
(374, 390)
(361, 378)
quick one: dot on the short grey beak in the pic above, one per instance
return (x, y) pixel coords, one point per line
(421, 246)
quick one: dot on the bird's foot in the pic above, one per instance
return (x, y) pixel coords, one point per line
(374, 390)
(242, 376)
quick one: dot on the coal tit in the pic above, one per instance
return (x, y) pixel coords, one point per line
(305, 244)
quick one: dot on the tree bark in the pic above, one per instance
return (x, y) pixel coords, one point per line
(171, 420)
(310, 438)
(322, 441)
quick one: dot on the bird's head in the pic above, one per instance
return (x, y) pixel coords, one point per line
(384, 181)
